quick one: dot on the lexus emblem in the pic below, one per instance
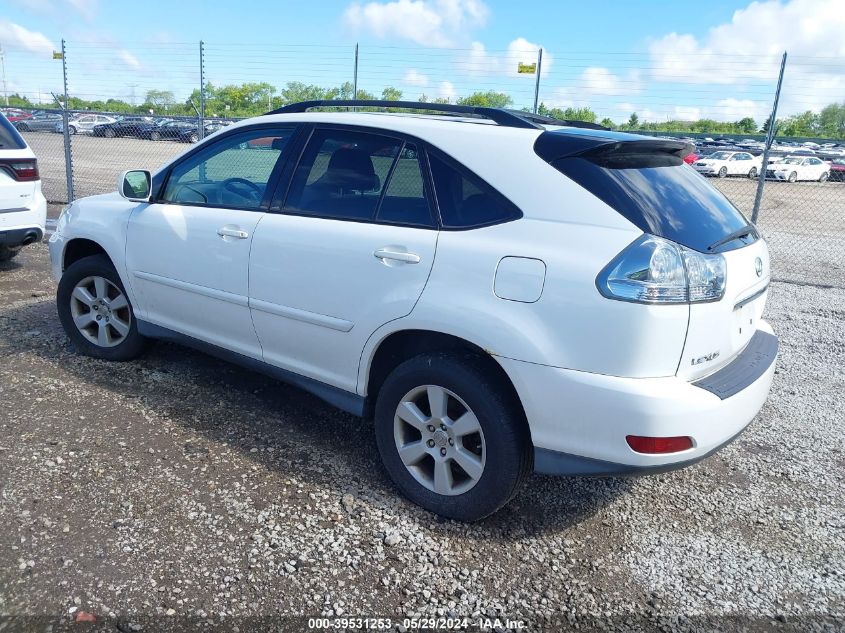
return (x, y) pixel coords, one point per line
(758, 266)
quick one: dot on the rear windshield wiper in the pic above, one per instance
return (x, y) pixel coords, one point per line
(746, 230)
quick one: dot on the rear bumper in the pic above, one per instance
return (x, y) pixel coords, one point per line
(22, 236)
(579, 420)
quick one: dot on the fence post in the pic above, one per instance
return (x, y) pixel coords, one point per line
(537, 81)
(770, 137)
(66, 130)
(355, 74)
(201, 130)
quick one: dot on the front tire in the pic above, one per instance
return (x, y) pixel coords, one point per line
(95, 311)
(723, 172)
(71, 129)
(753, 173)
(793, 177)
(451, 436)
(824, 177)
(109, 133)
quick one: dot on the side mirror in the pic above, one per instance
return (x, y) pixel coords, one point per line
(135, 185)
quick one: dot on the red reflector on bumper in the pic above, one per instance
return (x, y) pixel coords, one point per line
(658, 445)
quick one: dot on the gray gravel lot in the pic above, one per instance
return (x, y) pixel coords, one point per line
(179, 486)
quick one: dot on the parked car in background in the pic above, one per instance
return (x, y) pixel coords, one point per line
(124, 126)
(690, 158)
(84, 123)
(14, 115)
(23, 209)
(837, 170)
(403, 275)
(794, 168)
(723, 163)
(184, 131)
(39, 122)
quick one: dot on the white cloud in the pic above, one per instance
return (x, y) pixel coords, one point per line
(15, 37)
(480, 61)
(438, 23)
(447, 90)
(414, 78)
(129, 59)
(86, 8)
(593, 82)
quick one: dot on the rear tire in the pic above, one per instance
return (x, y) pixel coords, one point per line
(753, 173)
(478, 425)
(723, 172)
(8, 252)
(155, 136)
(95, 311)
(71, 129)
(193, 138)
(793, 177)
(824, 177)
(109, 133)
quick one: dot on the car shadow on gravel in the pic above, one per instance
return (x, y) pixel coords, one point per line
(282, 427)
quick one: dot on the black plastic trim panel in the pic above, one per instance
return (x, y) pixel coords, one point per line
(751, 363)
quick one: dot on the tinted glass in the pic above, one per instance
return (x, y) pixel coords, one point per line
(660, 195)
(465, 200)
(404, 202)
(232, 172)
(342, 174)
(10, 138)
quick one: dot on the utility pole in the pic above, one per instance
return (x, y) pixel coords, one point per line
(3, 66)
(355, 74)
(132, 93)
(201, 126)
(770, 137)
(537, 82)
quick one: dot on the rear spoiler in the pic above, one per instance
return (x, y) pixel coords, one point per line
(553, 145)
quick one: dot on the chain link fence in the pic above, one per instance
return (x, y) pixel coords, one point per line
(174, 93)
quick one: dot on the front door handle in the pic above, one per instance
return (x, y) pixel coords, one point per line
(227, 231)
(397, 256)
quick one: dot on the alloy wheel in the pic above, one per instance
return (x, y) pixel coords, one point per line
(439, 440)
(100, 311)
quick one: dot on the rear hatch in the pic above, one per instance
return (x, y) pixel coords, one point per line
(18, 174)
(646, 180)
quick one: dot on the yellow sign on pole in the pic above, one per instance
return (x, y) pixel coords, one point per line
(526, 69)
(57, 55)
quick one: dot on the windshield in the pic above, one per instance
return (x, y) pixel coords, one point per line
(9, 136)
(792, 161)
(720, 155)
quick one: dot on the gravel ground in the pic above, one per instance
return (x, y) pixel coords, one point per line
(179, 489)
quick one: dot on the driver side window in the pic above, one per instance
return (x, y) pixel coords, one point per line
(233, 172)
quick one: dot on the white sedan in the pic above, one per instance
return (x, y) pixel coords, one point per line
(794, 168)
(724, 163)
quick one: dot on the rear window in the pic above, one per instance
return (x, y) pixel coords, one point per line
(659, 194)
(10, 138)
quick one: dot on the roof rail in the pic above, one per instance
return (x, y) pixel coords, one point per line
(507, 118)
(547, 120)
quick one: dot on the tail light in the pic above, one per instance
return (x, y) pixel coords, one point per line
(658, 445)
(656, 270)
(22, 169)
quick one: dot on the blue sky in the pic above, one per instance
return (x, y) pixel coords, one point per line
(661, 59)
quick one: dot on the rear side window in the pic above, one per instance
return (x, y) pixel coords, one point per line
(342, 174)
(10, 138)
(660, 195)
(466, 201)
(404, 201)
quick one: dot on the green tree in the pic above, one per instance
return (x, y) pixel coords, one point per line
(608, 123)
(746, 125)
(633, 121)
(832, 121)
(160, 99)
(488, 99)
(391, 94)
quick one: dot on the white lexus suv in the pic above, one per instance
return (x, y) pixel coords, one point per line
(500, 292)
(23, 209)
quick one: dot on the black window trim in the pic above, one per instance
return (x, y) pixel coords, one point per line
(272, 182)
(280, 205)
(460, 167)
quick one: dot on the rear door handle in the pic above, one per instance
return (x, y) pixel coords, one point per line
(226, 231)
(397, 256)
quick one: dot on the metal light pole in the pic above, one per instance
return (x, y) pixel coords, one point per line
(355, 74)
(201, 130)
(3, 66)
(770, 137)
(537, 82)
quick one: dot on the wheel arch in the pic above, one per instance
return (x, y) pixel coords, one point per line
(400, 345)
(80, 247)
